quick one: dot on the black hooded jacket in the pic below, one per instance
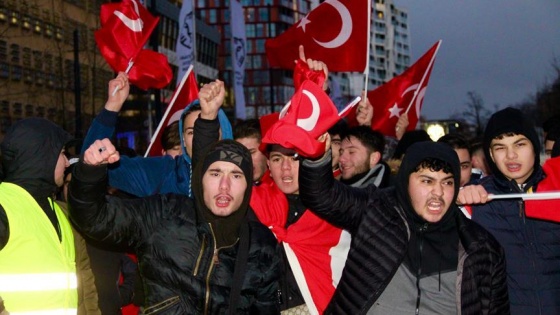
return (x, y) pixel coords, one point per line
(385, 232)
(30, 152)
(183, 270)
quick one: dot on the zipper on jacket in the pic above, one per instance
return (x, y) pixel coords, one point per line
(197, 266)
(215, 261)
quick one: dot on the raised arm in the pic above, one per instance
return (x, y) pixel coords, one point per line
(206, 128)
(103, 126)
(337, 203)
(111, 220)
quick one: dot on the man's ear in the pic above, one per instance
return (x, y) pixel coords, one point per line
(374, 158)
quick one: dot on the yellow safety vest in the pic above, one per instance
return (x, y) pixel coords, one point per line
(37, 271)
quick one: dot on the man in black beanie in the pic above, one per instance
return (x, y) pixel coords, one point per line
(196, 256)
(412, 250)
(512, 150)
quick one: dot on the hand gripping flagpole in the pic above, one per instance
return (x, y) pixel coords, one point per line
(130, 64)
(423, 78)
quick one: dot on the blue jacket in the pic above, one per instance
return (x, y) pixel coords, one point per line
(147, 176)
(532, 247)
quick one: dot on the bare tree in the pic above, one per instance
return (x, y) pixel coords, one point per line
(476, 113)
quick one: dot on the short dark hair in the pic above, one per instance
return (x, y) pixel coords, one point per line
(373, 140)
(456, 141)
(553, 134)
(340, 128)
(550, 122)
(434, 165)
(170, 136)
(250, 128)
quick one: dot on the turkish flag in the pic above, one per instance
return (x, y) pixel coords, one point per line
(316, 250)
(186, 92)
(335, 32)
(308, 115)
(546, 209)
(125, 29)
(403, 95)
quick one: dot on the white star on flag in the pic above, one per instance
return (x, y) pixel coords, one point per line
(395, 111)
(304, 21)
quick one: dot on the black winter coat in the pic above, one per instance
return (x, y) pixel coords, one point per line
(380, 238)
(182, 271)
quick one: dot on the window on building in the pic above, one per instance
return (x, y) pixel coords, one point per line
(263, 14)
(3, 15)
(3, 50)
(26, 57)
(4, 70)
(14, 18)
(27, 75)
(29, 112)
(17, 109)
(380, 15)
(40, 111)
(37, 26)
(5, 108)
(15, 54)
(17, 73)
(260, 45)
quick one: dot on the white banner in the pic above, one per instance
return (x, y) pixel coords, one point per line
(186, 47)
(238, 56)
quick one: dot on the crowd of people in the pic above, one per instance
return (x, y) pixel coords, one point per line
(229, 221)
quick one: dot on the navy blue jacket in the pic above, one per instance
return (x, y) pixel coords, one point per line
(532, 247)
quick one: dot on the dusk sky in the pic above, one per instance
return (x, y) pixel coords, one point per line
(501, 49)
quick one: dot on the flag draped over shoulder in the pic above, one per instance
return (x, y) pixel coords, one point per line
(186, 92)
(186, 41)
(335, 32)
(316, 250)
(238, 53)
(125, 29)
(402, 95)
(546, 209)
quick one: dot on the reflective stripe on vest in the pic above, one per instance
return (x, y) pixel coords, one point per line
(37, 269)
(70, 311)
(38, 282)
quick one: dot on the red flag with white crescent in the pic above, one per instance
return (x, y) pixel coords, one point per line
(125, 29)
(186, 92)
(403, 95)
(307, 116)
(335, 32)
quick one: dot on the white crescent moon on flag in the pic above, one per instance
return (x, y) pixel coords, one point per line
(419, 97)
(310, 122)
(345, 30)
(133, 25)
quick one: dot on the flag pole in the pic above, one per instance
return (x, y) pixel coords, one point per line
(130, 64)
(534, 196)
(428, 69)
(171, 103)
(366, 70)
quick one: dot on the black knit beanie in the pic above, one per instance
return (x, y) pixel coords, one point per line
(226, 229)
(509, 120)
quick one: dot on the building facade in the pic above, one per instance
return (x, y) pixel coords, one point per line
(37, 62)
(38, 74)
(266, 89)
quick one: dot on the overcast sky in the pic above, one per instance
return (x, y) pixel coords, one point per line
(501, 49)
